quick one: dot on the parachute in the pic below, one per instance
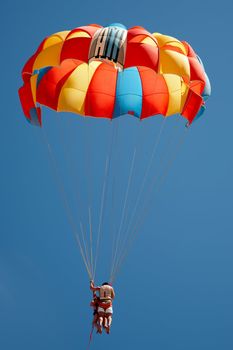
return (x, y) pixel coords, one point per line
(75, 71)
(105, 73)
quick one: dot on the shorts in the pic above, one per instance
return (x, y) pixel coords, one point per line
(106, 311)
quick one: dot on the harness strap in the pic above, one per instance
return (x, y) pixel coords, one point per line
(105, 305)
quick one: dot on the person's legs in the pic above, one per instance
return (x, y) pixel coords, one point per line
(108, 314)
(109, 320)
(105, 321)
(101, 315)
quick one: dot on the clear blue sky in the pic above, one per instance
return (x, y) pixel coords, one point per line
(175, 289)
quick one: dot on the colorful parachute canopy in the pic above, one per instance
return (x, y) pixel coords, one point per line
(110, 71)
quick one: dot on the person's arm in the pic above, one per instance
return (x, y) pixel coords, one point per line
(92, 286)
(113, 294)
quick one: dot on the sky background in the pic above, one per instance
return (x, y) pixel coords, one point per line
(175, 288)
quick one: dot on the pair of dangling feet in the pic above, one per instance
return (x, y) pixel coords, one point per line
(100, 329)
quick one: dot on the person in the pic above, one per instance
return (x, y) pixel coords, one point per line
(105, 310)
(94, 304)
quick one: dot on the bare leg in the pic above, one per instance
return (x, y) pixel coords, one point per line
(109, 322)
(101, 319)
(105, 322)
